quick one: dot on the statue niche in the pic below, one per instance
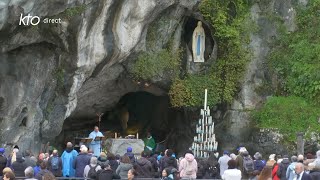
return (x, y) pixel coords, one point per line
(198, 43)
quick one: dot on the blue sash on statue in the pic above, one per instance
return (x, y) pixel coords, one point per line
(198, 45)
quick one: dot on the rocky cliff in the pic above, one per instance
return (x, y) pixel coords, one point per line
(81, 65)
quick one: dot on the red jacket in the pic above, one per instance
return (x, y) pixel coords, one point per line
(274, 172)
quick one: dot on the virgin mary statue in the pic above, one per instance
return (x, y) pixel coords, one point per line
(198, 43)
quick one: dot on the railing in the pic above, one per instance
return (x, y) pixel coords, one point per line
(81, 178)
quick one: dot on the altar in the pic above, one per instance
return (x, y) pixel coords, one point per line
(120, 145)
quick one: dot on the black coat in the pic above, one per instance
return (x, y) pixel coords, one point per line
(306, 176)
(143, 168)
(282, 170)
(18, 167)
(3, 163)
(315, 175)
(107, 174)
(167, 162)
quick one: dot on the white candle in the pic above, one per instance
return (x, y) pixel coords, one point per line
(210, 120)
(199, 121)
(205, 98)
(137, 135)
(199, 139)
(115, 135)
(208, 111)
(206, 133)
(202, 137)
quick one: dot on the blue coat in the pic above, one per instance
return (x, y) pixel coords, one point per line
(80, 163)
(67, 162)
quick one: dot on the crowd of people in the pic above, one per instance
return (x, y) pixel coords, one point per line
(164, 166)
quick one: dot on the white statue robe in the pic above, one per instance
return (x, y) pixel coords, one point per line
(95, 145)
(198, 44)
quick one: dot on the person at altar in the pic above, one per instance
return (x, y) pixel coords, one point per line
(95, 145)
(149, 143)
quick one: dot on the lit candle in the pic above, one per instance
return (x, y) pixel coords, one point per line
(115, 135)
(137, 135)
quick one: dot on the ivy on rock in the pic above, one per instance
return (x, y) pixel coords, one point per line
(229, 20)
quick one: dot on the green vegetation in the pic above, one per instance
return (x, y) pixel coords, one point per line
(289, 115)
(295, 61)
(157, 64)
(71, 12)
(231, 30)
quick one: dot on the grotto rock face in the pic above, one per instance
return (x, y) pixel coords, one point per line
(237, 127)
(77, 68)
(82, 66)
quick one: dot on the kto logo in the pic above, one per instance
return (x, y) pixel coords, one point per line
(27, 20)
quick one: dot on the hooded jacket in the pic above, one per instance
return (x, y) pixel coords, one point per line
(19, 166)
(168, 162)
(188, 160)
(290, 174)
(143, 168)
(123, 169)
(282, 170)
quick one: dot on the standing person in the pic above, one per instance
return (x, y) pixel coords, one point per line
(266, 173)
(112, 162)
(43, 171)
(131, 174)
(301, 175)
(9, 176)
(275, 169)
(67, 158)
(232, 173)
(3, 160)
(124, 167)
(28, 160)
(81, 161)
(164, 174)
(283, 168)
(55, 164)
(314, 172)
(102, 158)
(167, 161)
(188, 166)
(290, 173)
(143, 166)
(130, 155)
(223, 162)
(90, 171)
(149, 143)
(106, 173)
(95, 146)
(19, 165)
(12, 158)
(29, 173)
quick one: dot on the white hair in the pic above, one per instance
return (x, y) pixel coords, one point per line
(84, 149)
(28, 172)
(93, 160)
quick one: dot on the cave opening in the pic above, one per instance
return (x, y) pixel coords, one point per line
(136, 112)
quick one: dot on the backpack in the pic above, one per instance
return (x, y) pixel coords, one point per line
(92, 174)
(55, 163)
(189, 168)
(248, 164)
